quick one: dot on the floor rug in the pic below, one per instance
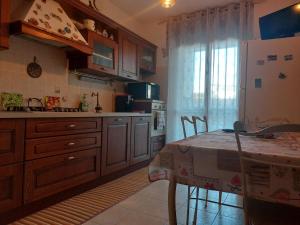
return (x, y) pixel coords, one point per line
(85, 206)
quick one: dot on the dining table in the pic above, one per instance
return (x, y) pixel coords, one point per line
(211, 161)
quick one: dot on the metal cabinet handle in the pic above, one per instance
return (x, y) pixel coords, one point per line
(71, 157)
(71, 144)
(72, 125)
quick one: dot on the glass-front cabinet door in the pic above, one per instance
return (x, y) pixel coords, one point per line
(105, 54)
(147, 59)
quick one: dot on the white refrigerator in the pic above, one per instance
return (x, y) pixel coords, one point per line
(270, 81)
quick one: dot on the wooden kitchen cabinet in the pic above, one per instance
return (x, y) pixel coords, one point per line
(147, 62)
(115, 144)
(47, 176)
(104, 59)
(128, 56)
(4, 23)
(11, 140)
(157, 143)
(11, 178)
(140, 139)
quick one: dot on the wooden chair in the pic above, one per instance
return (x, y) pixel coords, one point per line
(238, 128)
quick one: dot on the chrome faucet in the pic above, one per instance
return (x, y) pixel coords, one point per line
(98, 108)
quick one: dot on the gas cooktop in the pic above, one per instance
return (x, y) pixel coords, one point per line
(40, 109)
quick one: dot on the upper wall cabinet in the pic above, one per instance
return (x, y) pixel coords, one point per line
(128, 56)
(4, 23)
(104, 59)
(147, 59)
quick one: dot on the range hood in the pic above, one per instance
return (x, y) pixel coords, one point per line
(46, 21)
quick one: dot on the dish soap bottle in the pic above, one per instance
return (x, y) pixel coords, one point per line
(84, 105)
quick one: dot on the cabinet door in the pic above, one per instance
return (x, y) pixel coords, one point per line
(10, 186)
(140, 139)
(4, 20)
(47, 176)
(116, 144)
(105, 54)
(11, 140)
(147, 59)
(128, 54)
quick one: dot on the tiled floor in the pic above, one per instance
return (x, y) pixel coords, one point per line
(150, 207)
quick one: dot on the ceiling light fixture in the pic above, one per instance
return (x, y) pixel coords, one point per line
(297, 7)
(167, 3)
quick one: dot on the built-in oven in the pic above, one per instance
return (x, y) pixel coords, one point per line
(159, 119)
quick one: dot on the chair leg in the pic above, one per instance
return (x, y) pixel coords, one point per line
(220, 197)
(196, 208)
(206, 198)
(188, 206)
(246, 212)
(172, 202)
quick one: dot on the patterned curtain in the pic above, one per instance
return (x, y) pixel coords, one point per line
(204, 65)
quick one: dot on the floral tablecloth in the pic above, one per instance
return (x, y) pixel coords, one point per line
(211, 161)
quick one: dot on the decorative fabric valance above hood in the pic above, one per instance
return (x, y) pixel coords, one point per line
(50, 16)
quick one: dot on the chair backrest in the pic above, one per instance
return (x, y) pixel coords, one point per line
(203, 120)
(183, 120)
(239, 130)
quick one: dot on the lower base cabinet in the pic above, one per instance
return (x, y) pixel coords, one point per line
(115, 144)
(11, 178)
(47, 176)
(64, 153)
(140, 139)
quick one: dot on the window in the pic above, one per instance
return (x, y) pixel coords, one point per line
(219, 88)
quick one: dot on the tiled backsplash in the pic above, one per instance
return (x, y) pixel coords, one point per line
(55, 77)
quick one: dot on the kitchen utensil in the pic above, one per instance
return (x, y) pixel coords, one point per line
(34, 70)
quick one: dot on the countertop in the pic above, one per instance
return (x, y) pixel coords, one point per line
(15, 115)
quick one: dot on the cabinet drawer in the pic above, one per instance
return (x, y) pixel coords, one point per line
(10, 186)
(54, 127)
(44, 147)
(11, 140)
(47, 176)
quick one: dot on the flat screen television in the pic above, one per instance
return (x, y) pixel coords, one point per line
(280, 24)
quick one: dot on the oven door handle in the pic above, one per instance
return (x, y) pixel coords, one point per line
(155, 120)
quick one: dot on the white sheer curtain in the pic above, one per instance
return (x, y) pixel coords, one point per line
(204, 65)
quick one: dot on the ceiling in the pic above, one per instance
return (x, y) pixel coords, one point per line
(151, 11)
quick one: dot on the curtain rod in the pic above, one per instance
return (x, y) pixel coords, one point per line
(165, 20)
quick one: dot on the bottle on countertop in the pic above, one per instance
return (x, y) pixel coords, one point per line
(84, 105)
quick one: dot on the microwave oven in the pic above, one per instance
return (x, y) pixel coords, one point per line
(144, 91)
